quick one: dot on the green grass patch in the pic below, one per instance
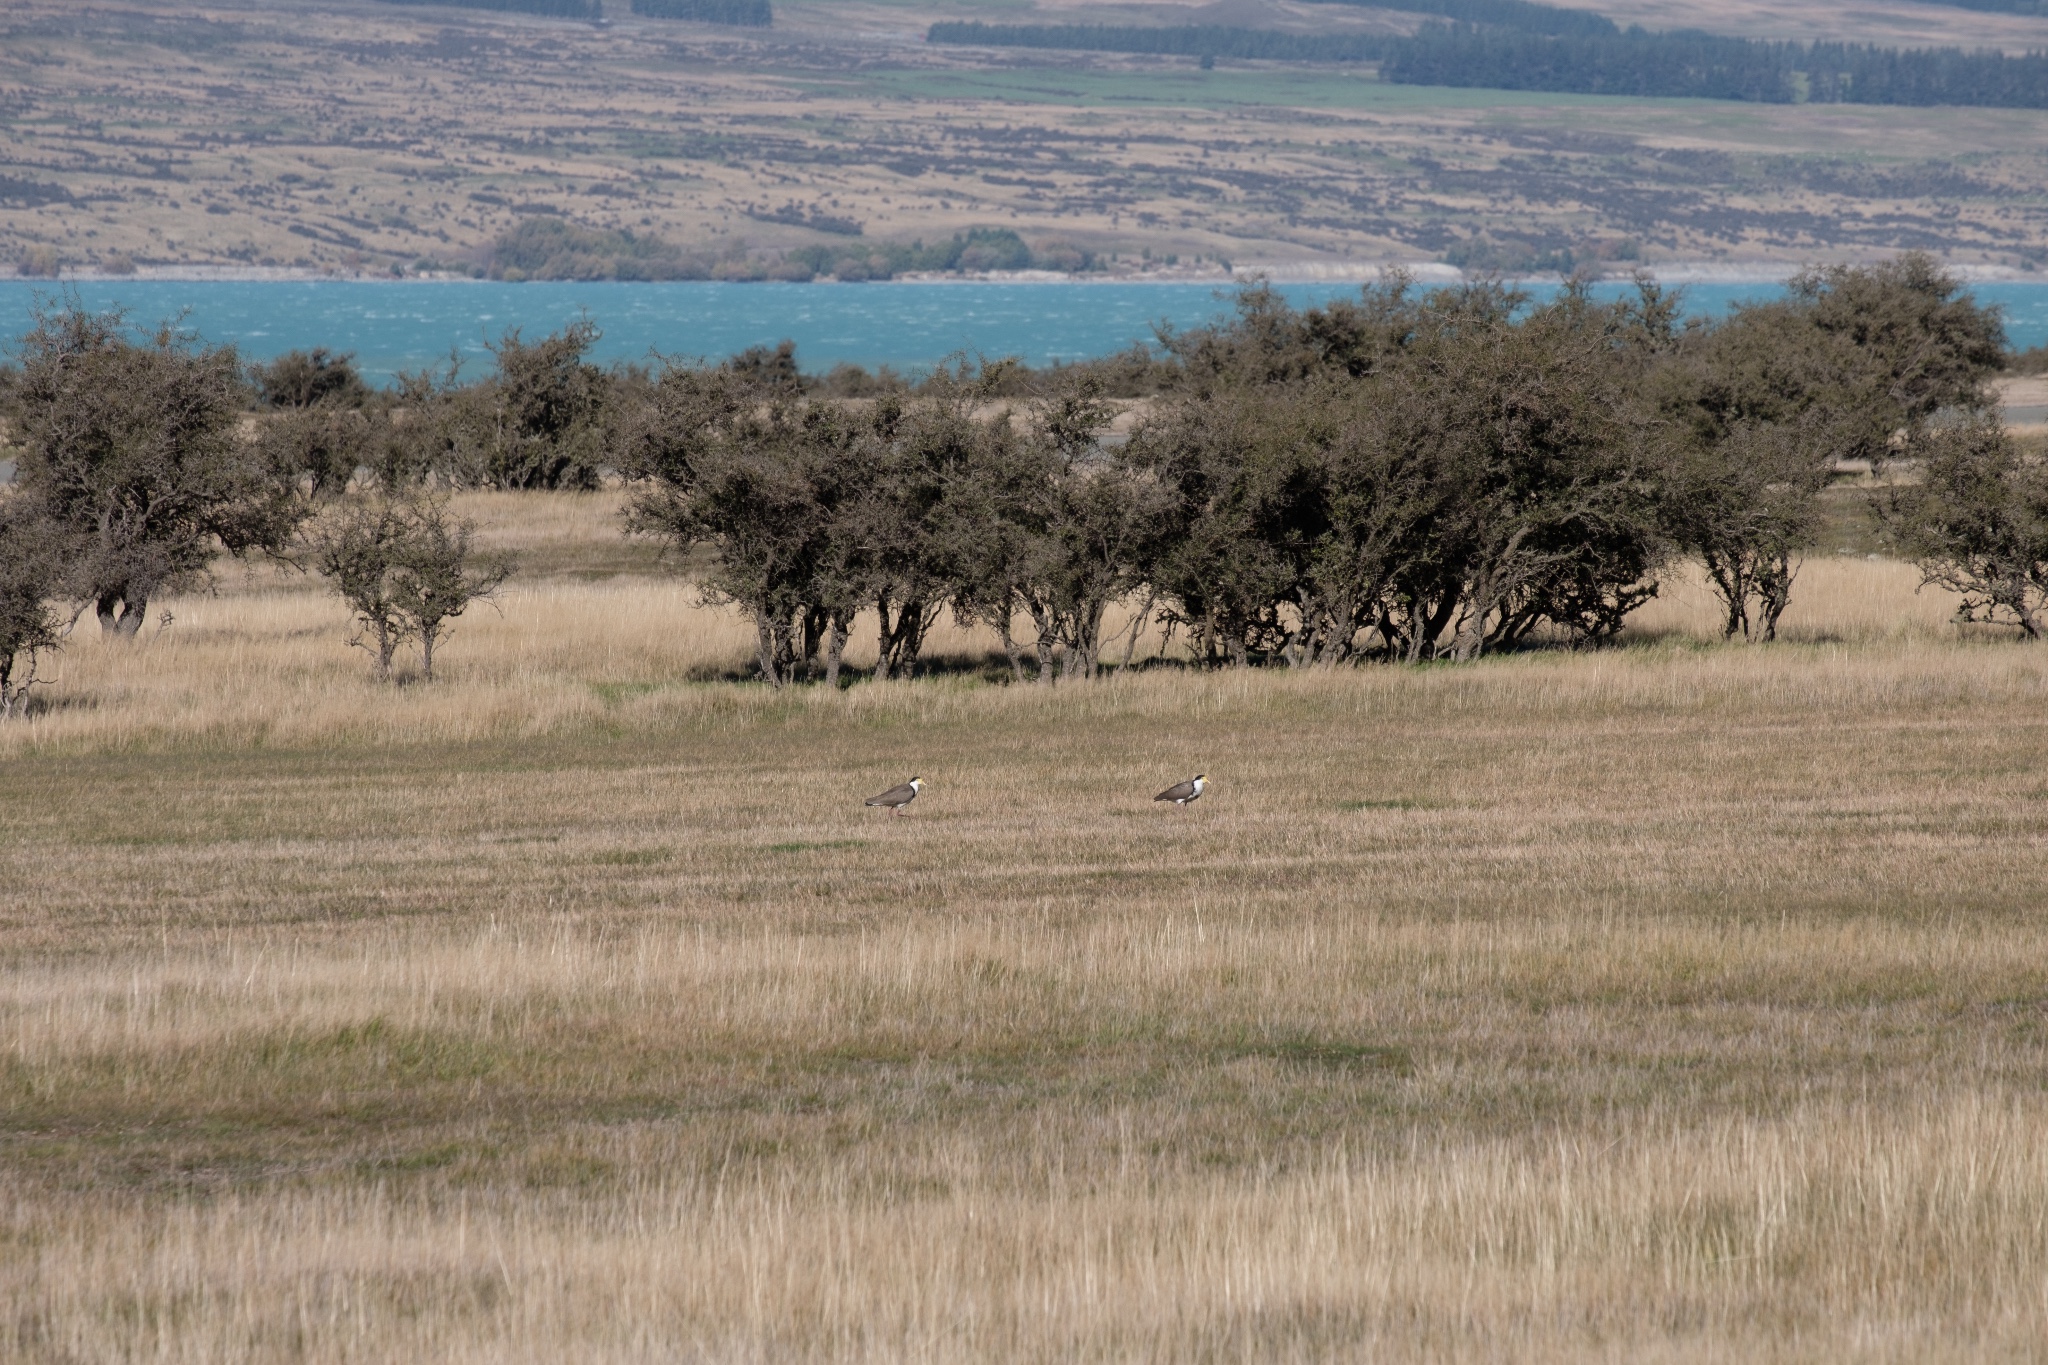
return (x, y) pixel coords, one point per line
(1189, 86)
(633, 857)
(1338, 1056)
(614, 693)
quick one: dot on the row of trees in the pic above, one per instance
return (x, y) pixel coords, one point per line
(1595, 59)
(1405, 476)
(1703, 66)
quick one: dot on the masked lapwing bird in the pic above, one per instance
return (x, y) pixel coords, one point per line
(898, 799)
(1180, 793)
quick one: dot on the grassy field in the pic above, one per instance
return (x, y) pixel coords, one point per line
(1672, 1002)
(1189, 87)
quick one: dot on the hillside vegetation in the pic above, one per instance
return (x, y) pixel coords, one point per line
(352, 138)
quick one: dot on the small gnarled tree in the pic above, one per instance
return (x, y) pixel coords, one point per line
(1761, 411)
(131, 447)
(1977, 524)
(406, 569)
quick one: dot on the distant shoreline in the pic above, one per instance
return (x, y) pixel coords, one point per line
(1297, 272)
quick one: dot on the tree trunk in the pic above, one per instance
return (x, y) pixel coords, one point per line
(1041, 621)
(1738, 615)
(1095, 640)
(885, 639)
(1733, 586)
(835, 649)
(1774, 594)
(1428, 630)
(1336, 640)
(1137, 628)
(902, 642)
(1202, 638)
(1772, 604)
(14, 696)
(765, 639)
(124, 622)
(427, 652)
(816, 621)
(1012, 651)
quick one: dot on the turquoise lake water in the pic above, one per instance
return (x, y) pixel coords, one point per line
(406, 325)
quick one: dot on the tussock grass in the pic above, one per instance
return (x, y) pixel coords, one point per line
(1669, 1002)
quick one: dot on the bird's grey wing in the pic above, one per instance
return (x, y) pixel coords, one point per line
(896, 796)
(1179, 791)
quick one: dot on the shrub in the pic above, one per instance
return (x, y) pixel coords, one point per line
(132, 450)
(405, 569)
(1977, 524)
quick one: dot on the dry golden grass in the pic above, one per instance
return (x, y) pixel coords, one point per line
(1673, 1002)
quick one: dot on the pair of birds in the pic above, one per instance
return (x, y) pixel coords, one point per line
(897, 799)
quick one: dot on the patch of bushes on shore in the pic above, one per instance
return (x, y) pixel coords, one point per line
(552, 249)
(548, 248)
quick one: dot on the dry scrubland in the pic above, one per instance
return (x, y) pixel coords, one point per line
(351, 135)
(1672, 1002)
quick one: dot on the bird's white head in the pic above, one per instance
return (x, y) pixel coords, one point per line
(917, 784)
